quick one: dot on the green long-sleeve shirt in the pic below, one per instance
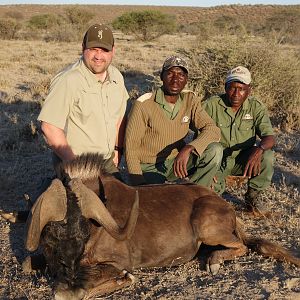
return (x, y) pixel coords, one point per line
(238, 130)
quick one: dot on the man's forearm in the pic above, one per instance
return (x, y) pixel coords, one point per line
(56, 139)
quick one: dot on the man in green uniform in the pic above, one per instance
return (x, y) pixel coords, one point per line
(155, 147)
(84, 110)
(242, 118)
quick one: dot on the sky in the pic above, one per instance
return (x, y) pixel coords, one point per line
(198, 3)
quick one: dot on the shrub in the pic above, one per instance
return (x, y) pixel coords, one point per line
(276, 75)
(14, 15)
(78, 17)
(145, 25)
(9, 28)
(63, 33)
(284, 26)
(44, 21)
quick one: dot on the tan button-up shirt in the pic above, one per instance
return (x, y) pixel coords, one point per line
(86, 109)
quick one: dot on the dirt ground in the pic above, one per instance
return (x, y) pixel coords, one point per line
(25, 161)
(251, 276)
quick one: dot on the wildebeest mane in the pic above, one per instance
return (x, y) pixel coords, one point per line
(86, 166)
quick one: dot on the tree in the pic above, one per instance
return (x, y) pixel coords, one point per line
(145, 25)
(78, 17)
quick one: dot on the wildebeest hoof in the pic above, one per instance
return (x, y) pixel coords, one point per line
(129, 276)
(213, 269)
(69, 294)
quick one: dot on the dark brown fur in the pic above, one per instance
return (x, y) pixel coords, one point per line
(173, 221)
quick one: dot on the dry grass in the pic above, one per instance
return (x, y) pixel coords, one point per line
(26, 68)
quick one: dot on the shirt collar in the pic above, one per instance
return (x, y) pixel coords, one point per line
(160, 98)
(226, 104)
(90, 76)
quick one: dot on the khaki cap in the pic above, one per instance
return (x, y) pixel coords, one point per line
(240, 74)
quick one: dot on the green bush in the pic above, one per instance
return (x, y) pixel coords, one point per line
(44, 21)
(78, 17)
(9, 28)
(276, 74)
(145, 25)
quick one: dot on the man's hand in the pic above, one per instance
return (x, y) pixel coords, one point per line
(252, 167)
(181, 160)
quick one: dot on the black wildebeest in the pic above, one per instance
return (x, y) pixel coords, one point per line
(94, 230)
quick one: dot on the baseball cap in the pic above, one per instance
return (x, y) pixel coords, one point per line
(175, 61)
(98, 36)
(239, 73)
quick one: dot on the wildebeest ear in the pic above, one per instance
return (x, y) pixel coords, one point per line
(50, 206)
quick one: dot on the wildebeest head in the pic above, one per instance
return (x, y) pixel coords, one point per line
(51, 206)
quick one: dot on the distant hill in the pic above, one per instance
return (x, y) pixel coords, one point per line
(184, 15)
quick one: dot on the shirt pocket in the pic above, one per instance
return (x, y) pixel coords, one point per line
(246, 125)
(116, 103)
(223, 125)
(85, 106)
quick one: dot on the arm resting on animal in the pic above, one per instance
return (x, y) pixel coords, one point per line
(56, 139)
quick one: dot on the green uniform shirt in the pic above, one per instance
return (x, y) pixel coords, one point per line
(238, 130)
(86, 109)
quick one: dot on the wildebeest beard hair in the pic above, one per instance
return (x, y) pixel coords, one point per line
(63, 244)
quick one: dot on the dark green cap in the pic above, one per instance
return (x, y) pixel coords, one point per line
(98, 36)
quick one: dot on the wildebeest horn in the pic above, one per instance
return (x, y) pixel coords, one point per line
(50, 206)
(93, 208)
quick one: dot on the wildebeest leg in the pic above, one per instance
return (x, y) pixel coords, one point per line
(111, 285)
(109, 280)
(236, 248)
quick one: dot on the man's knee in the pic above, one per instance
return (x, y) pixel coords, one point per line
(268, 157)
(214, 153)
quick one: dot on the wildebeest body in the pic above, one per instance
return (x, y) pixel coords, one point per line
(164, 226)
(168, 231)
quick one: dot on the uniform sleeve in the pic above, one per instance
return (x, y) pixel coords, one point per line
(135, 131)
(263, 126)
(56, 107)
(207, 130)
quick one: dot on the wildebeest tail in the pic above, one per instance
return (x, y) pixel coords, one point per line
(266, 248)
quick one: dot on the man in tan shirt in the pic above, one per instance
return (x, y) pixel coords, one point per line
(158, 125)
(84, 111)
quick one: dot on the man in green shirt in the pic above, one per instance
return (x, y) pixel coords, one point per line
(155, 147)
(242, 118)
(84, 110)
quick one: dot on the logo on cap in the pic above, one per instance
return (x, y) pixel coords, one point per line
(100, 34)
